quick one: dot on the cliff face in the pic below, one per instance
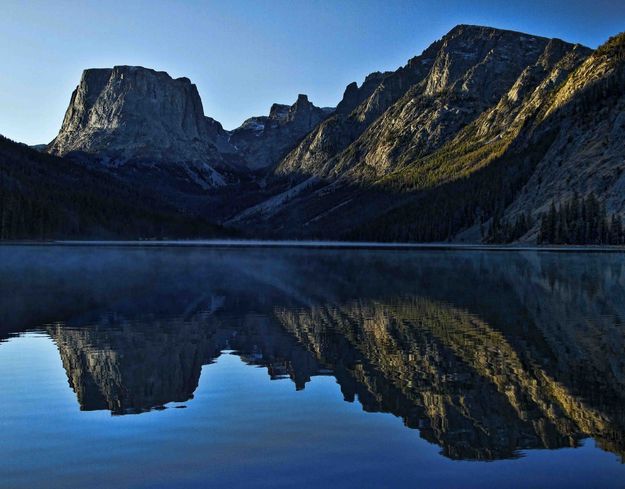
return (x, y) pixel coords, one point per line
(359, 107)
(474, 69)
(263, 141)
(586, 114)
(133, 114)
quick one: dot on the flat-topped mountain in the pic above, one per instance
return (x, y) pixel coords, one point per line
(130, 112)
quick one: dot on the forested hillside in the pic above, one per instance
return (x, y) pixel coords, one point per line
(45, 197)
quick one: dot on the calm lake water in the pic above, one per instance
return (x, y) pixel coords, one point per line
(163, 367)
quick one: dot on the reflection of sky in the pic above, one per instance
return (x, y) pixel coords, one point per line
(240, 430)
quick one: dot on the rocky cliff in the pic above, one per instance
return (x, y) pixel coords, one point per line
(422, 103)
(263, 141)
(447, 114)
(133, 114)
(585, 115)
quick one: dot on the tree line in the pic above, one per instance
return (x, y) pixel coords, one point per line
(580, 221)
(45, 197)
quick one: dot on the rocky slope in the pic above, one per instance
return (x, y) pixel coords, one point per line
(502, 123)
(264, 140)
(427, 100)
(461, 105)
(586, 116)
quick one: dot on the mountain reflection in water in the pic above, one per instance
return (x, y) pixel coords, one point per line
(486, 354)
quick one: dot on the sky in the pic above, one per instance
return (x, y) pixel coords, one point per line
(245, 55)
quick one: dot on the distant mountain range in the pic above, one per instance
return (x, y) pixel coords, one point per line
(487, 136)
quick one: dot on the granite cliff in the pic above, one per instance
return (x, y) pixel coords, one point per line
(133, 115)
(134, 112)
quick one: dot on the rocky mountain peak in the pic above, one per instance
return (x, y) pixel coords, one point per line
(482, 61)
(302, 99)
(278, 111)
(474, 64)
(301, 104)
(305, 111)
(461, 102)
(355, 95)
(133, 113)
(350, 90)
(264, 140)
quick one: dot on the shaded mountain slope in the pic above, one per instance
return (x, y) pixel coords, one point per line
(263, 141)
(43, 196)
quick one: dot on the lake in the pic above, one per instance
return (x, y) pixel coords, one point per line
(211, 366)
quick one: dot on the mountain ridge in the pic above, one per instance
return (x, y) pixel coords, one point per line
(471, 140)
(265, 140)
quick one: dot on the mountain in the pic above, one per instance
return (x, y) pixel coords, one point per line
(421, 105)
(264, 140)
(130, 113)
(137, 120)
(373, 170)
(584, 116)
(47, 197)
(502, 126)
(488, 135)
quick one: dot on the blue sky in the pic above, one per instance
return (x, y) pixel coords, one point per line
(245, 55)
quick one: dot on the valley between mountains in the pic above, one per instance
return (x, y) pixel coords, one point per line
(488, 136)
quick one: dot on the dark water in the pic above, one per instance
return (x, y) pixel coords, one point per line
(208, 367)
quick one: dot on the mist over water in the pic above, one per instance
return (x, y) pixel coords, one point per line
(192, 367)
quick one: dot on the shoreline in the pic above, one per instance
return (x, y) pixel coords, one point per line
(311, 244)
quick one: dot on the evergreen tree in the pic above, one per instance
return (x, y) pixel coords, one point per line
(580, 221)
